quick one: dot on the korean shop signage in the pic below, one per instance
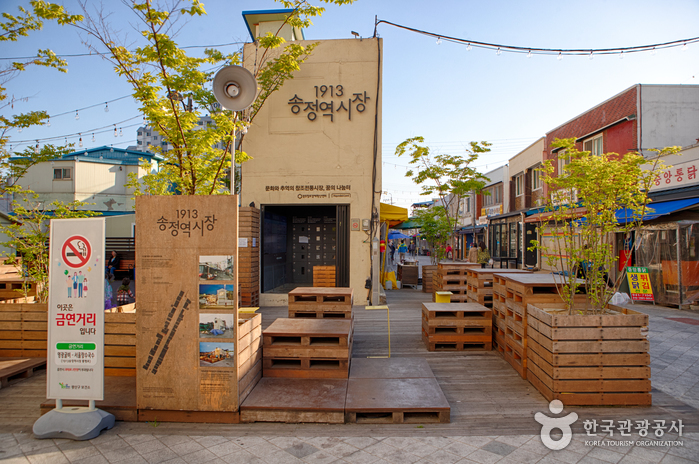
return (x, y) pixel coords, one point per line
(639, 283)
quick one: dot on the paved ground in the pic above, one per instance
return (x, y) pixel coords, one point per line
(675, 380)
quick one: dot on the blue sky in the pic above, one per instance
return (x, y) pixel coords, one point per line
(443, 92)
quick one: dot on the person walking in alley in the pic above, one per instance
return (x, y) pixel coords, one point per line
(402, 250)
(473, 253)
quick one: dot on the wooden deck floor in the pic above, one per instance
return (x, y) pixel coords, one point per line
(487, 397)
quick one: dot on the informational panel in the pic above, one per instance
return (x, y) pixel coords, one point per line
(75, 357)
(639, 283)
(187, 300)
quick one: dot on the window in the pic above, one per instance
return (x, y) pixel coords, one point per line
(61, 174)
(536, 181)
(594, 145)
(519, 185)
(563, 161)
(139, 142)
(140, 133)
(495, 197)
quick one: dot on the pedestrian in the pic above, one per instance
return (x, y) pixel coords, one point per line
(449, 251)
(483, 255)
(473, 253)
(124, 295)
(402, 250)
(108, 304)
(411, 249)
(392, 246)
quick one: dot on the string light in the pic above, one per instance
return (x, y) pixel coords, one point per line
(121, 133)
(111, 149)
(77, 116)
(468, 47)
(529, 55)
(36, 148)
(621, 55)
(560, 56)
(549, 51)
(652, 52)
(19, 129)
(93, 137)
(684, 47)
(80, 142)
(48, 122)
(439, 41)
(115, 131)
(591, 54)
(106, 107)
(498, 52)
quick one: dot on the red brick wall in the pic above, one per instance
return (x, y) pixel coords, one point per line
(618, 139)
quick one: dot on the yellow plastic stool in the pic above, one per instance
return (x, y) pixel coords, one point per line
(442, 297)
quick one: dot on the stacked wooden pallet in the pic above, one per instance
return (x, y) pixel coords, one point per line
(521, 290)
(456, 327)
(590, 360)
(307, 348)
(23, 329)
(120, 344)
(249, 257)
(427, 277)
(323, 276)
(499, 313)
(321, 303)
(452, 278)
(249, 353)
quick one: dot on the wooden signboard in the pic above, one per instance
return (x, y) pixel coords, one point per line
(187, 322)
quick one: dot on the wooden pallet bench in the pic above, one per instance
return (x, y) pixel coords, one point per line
(450, 326)
(321, 302)
(395, 401)
(15, 369)
(427, 278)
(249, 353)
(307, 348)
(324, 276)
(589, 360)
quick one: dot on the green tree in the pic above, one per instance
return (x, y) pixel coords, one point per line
(13, 28)
(582, 216)
(450, 177)
(435, 227)
(29, 234)
(172, 90)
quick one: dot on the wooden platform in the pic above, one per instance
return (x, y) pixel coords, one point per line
(395, 401)
(119, 399)
(307, 348)
(15, 369)
(296, 400)
(390, 368)
(479, 284)
(456, 326)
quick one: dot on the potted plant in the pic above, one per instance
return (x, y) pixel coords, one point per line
(592, 353)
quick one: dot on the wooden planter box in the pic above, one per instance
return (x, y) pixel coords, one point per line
(427, 276)
(589, 360)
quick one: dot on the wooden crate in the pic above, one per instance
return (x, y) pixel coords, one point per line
(324, 276)
(588, 360)
(307, 348)
(521, 289)
(321, 302)
(427, 277)
(479, 283)
(456, 327)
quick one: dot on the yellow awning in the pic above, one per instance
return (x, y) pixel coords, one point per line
(394, 215)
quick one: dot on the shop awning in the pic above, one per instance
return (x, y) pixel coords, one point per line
(394, 215)
(656, 209)
(410, 224)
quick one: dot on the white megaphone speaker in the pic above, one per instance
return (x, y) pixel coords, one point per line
(235, 88)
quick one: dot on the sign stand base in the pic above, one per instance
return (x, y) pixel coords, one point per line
(73, 423)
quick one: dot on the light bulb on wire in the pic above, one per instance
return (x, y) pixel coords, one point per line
(106, 107)
(621, 55)
(591, 56)
(80, 142)
(121, 133)
(529, 55)
(19, 129)
(684, 47)
(48, 122)
(560, 56)
(93, 137)
(498, 52)
(77, 116)
(439, 41)
(111, 149)
(468, 47)
(652, 52)
(36, 148)
(115, 131)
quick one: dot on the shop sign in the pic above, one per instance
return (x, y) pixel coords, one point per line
(678, 175)
(314, 191)
(491, 210)
(639, 283)
(483, 220)
(75, 356)
(330, 100)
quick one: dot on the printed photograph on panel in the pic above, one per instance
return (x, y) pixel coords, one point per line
(216, 326)
(216, 267)
(216, 354)
(216, 296)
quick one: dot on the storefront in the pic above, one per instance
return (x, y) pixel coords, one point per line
(316, 159)
(506, 240)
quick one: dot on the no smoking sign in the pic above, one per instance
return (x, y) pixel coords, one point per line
(76, 251)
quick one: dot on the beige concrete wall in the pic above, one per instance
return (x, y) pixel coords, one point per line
(292, 151)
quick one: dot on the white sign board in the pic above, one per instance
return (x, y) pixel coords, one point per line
(75, 358)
